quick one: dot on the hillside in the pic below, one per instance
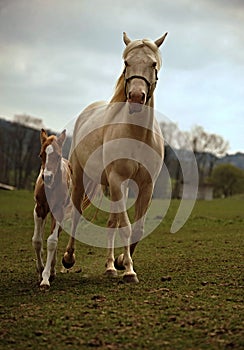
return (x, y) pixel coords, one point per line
(20, 164)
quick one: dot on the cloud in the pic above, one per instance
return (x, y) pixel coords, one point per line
(58, 56)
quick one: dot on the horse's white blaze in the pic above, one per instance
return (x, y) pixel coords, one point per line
(49, 150)
(47, 172)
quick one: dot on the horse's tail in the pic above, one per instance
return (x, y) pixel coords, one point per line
(88, 197)
(85, 202)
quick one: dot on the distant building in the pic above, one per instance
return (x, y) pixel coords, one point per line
(205, 192)
(29, 121)
(6, 187)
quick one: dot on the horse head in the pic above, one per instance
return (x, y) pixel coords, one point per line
(51, 156)
(142, 61)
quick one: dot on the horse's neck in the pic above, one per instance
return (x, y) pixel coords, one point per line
(144, 120)
(118, 112)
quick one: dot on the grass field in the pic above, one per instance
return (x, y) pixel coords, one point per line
(190, 294)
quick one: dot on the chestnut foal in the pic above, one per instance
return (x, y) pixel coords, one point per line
(51, 195)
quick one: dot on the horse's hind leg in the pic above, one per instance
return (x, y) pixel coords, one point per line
(69, 256)
(77, 195)
(37, 239)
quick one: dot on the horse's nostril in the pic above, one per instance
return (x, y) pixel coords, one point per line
(143, 96)
(129, 95)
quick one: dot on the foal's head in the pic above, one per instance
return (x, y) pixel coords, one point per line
(142, 61)
(51, 156)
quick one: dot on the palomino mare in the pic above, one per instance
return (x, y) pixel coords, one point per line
(51, 195)
(123, 123)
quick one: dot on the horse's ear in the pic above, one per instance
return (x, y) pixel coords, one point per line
(61, 138)
(126, 39)
(43, 136)
(159, 41)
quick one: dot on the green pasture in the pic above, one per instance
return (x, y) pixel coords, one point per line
(190, 294)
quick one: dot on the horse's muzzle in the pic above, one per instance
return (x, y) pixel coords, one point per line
(48, 179)
(135, 107)
(136, 100)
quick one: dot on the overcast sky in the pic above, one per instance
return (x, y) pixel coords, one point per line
(58, 56)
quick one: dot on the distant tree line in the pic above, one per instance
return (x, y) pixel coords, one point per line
(209, 150)
(20, 162)
(19, 151)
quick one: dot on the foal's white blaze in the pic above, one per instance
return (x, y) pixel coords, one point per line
(49, 150)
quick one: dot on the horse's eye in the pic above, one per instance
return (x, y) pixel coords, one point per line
(154, 64)
(126, 63)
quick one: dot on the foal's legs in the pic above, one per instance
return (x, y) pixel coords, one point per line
(40, 214)
(52, 242)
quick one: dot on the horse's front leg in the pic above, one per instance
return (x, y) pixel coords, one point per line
(141, 206)
(118, 191)
(125, 233)
(69, 256)
(37, 239)
(112, 226)
(52, 243)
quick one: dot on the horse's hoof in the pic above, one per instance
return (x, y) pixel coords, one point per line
(68, 265)
(44, 287)
(118, 266)
(130, 278)
(111, 273)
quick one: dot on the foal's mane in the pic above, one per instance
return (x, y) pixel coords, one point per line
(47, 142)
(119, 94)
